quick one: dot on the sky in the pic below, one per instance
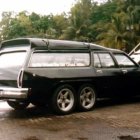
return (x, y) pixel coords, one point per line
(42, 7)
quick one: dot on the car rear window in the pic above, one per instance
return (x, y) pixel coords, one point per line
(12, 59)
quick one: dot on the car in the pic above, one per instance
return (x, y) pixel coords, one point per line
(135, 54)
(64, 75)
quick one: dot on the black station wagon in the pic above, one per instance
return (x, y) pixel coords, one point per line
(64, 74)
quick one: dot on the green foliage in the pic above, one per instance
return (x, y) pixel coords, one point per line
(59, 24)
(79, 21)
(104, 12)
(114, 23)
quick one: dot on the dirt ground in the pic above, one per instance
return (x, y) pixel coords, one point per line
(110, 120)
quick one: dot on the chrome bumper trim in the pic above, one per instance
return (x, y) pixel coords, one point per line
(13, 93)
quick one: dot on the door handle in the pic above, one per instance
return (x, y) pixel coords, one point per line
(99, 71)
(124, 71)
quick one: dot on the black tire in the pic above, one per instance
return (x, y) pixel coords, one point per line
(63, 100)
(39, 104)
(86, 97)
(18, 105)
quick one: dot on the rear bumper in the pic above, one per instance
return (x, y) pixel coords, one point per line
(13, 93)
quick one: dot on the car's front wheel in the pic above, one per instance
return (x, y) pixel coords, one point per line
(63, 100)
(18, 105)
(86, 97)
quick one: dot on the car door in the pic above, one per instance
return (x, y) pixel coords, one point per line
(131, 73)
(108, 74)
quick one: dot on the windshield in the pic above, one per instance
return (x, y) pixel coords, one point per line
(12, 59)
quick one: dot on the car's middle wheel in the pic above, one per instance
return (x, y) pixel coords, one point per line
(63, 100)
(86, 98)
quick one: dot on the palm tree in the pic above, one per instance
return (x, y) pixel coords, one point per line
(133, 22)
(79, 21)
(113, 35)
(124, 30)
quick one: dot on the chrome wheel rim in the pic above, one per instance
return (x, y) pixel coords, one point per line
(65, 99)
(87, 98)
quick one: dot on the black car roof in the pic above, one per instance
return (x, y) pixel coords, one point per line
(53, 44)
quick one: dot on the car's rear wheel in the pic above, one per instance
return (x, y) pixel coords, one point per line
(18, 105)
(86, 97)
(63, 100)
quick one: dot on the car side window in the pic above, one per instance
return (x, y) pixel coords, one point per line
(103, 60)
(97, 63)
(124, 61)
(43, 59)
